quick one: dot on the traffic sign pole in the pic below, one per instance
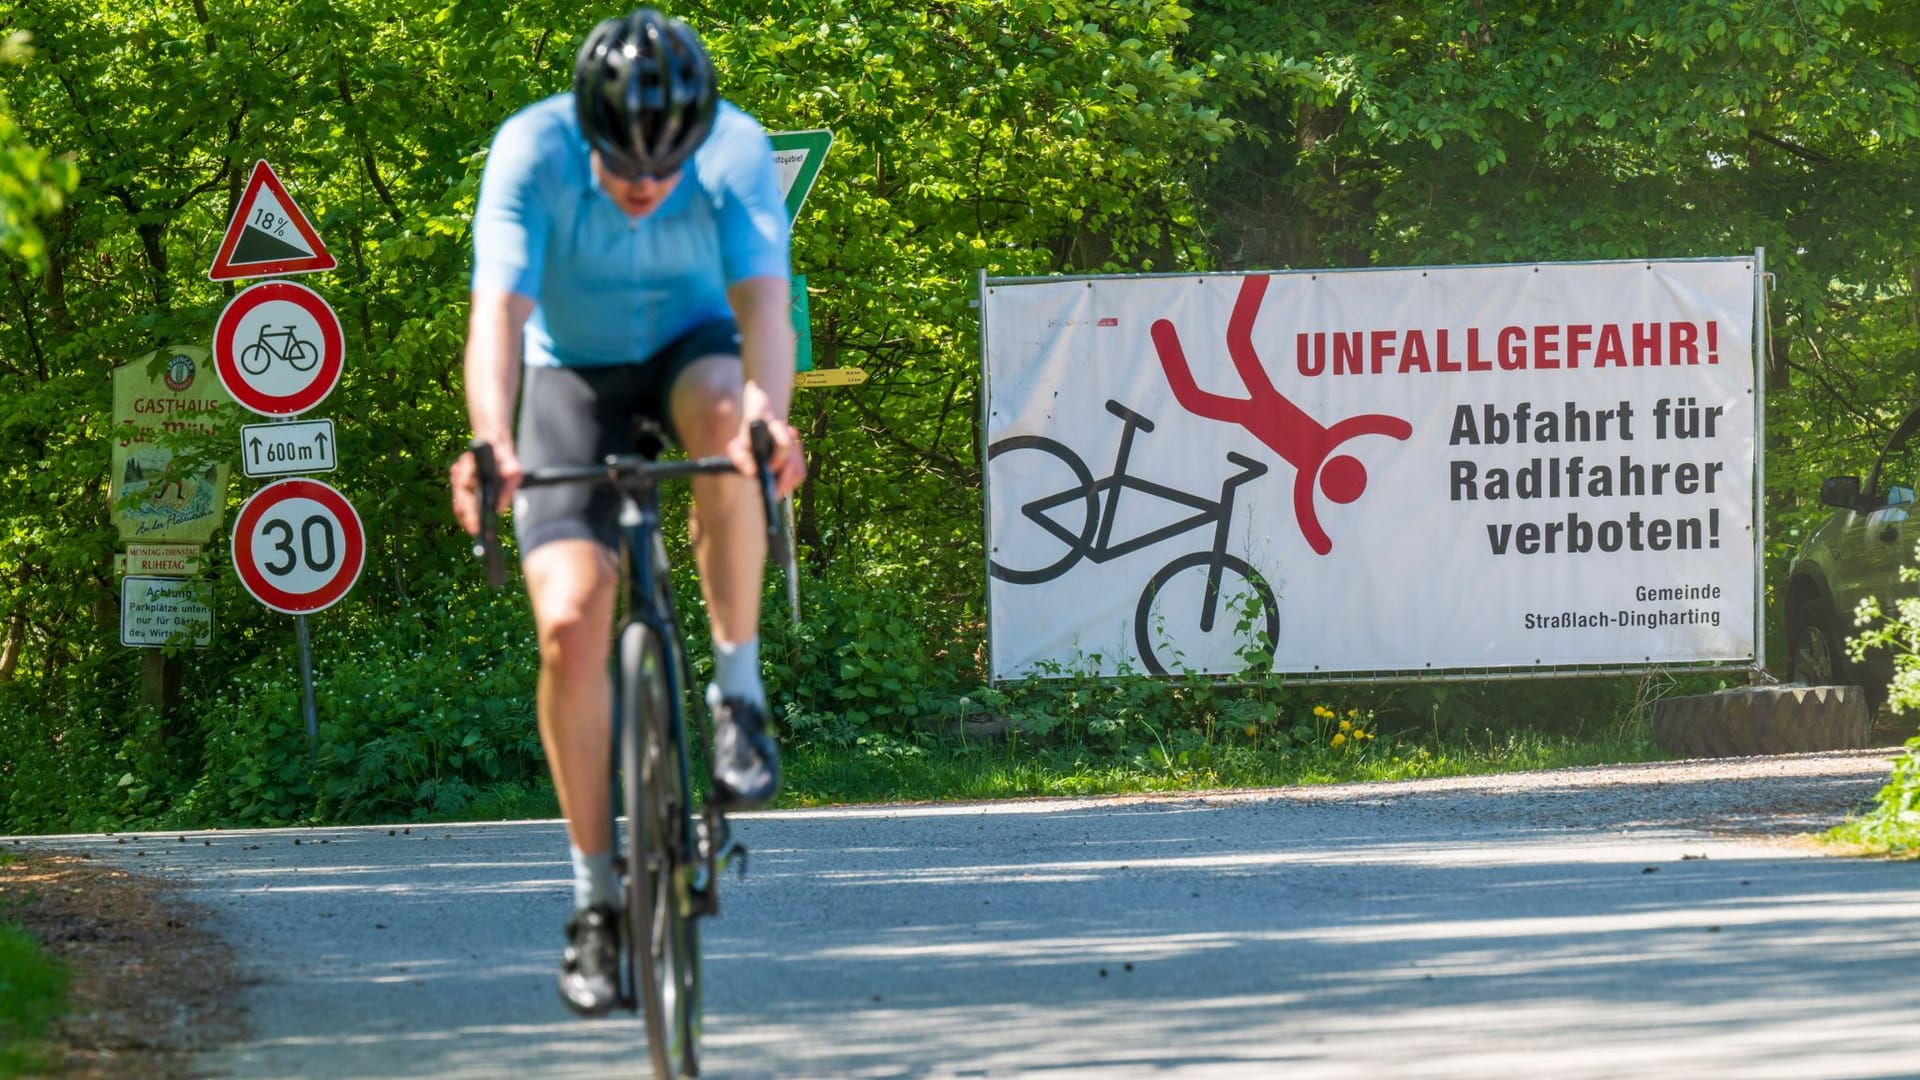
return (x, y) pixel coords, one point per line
(306, 689)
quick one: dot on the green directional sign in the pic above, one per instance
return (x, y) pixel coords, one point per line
(798, 154)
(802, 324)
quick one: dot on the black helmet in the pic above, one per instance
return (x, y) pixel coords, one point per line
(644, 89)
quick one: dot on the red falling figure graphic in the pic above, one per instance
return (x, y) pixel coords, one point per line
(1284, 427)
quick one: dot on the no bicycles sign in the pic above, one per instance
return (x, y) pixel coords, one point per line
(278, 348)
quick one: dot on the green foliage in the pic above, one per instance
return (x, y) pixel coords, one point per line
(1011, 137)
(1894, 822)
(420, 716)
(33, 990)
(880, 768)
(33, 182)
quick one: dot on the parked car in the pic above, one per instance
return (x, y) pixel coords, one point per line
(1856, 553)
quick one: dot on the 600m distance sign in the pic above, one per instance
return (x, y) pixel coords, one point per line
(298, 545)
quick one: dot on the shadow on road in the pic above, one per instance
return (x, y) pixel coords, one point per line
(1582, 924)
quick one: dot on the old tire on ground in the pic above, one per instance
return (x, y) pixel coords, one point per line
(1764, 720)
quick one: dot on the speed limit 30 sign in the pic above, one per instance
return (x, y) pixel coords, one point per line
(298, 545)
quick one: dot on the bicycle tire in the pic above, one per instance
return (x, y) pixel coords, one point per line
(1076, 548)
(296, 349)
(662, 938)
(255, 350)
(1142, 616)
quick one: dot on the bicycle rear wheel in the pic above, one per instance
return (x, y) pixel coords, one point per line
(662, 939)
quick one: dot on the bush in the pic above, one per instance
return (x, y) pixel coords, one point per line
(1894, 822)
(419, 714)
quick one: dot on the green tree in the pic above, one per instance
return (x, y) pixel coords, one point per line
(1012, 138)
(1460, 132)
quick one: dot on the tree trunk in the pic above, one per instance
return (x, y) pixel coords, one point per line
(10, 647)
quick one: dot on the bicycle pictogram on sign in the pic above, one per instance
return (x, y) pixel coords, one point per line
(1065, 515)
(302, 355)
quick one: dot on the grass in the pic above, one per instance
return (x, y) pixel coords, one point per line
(33, 990)
(881, 770)
(878, 768)
(1892, 827)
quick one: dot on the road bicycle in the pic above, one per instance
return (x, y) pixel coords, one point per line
(1080, 519)
(302, 355)
(677, 846)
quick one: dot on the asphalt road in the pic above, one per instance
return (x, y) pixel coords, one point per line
(1639, 921)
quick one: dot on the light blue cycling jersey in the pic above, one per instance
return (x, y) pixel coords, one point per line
(608, 289)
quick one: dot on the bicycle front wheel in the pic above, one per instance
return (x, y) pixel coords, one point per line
(662, 939)
(1198, 617)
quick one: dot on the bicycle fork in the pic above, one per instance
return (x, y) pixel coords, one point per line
(1249, 470)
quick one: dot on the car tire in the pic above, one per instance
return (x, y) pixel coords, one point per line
(1764, 720)
(1816, 653)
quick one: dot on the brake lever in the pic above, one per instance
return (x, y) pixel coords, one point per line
(789, 561)
(779, 515)
(486, 546)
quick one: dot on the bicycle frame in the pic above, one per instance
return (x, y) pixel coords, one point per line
(1218, 512)
(674, 851)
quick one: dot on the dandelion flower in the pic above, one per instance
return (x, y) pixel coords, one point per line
(1252, 731)
(1355, 713)
(1323, 712)
(1346, 725)
(1339, 740)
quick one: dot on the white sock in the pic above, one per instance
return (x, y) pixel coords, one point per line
(736, 670)
(593, 882)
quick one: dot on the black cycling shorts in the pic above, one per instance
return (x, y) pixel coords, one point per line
(576, 416)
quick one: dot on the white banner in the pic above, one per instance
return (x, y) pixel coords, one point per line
(1373, 470)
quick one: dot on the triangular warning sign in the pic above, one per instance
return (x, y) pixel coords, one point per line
(268, 234)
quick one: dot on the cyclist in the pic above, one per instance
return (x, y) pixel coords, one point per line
(630, 259)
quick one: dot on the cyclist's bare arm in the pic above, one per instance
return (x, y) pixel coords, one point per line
(493, 386)
(766, 352)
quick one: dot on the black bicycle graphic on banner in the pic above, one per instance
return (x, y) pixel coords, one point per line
(1081, 519)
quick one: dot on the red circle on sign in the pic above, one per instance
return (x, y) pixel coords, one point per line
(252, 384)
(301, 561)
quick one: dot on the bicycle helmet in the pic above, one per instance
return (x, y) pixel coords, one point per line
(644, 90)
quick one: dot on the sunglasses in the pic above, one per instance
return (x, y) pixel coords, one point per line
(632, 173)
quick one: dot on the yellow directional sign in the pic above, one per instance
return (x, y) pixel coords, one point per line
(838, 376)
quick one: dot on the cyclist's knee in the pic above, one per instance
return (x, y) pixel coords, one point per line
(571, 585)
(706, 404)
(575, 640)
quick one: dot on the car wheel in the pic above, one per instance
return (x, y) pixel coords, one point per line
(1816, 653)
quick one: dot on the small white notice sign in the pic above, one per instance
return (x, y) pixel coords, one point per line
(157, 610)
(300, 447)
